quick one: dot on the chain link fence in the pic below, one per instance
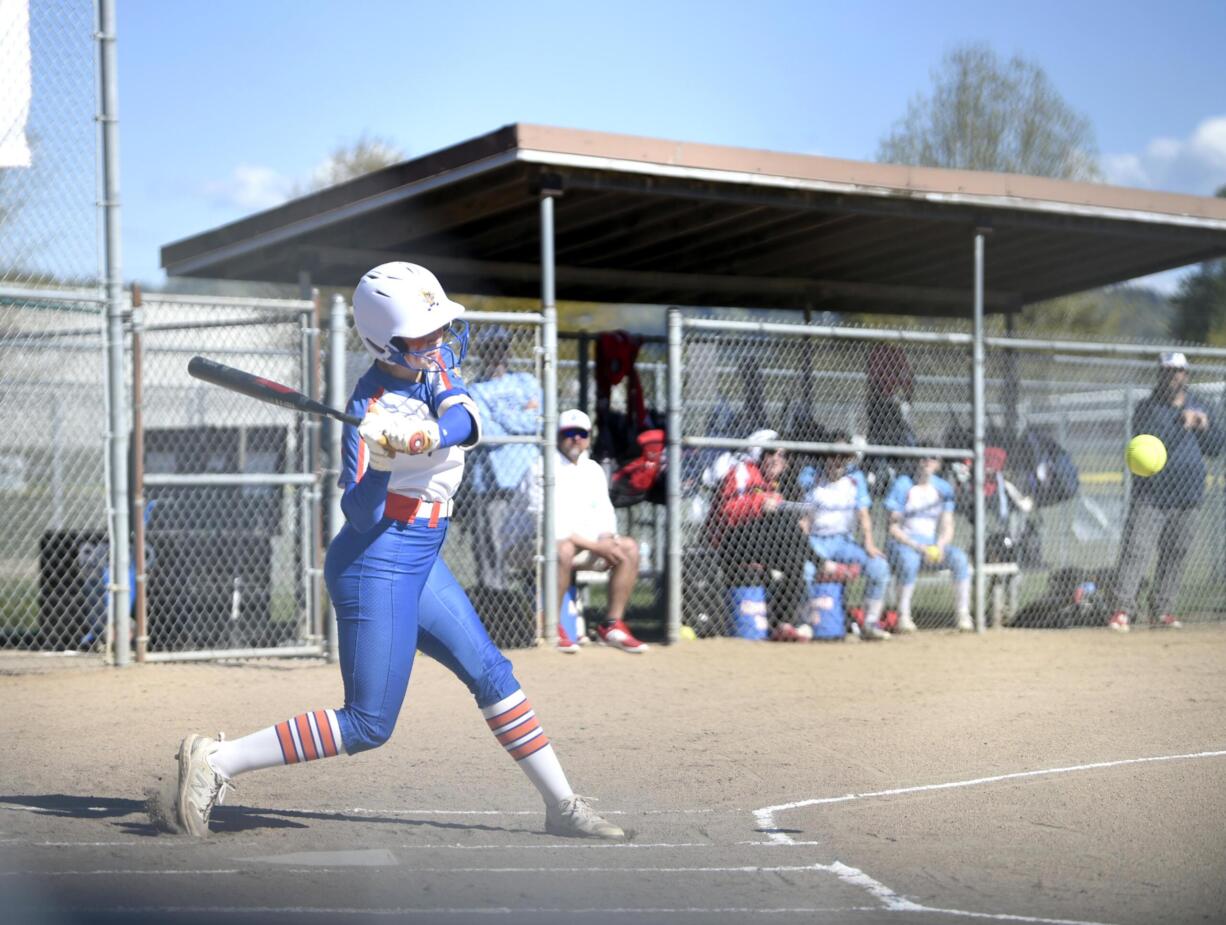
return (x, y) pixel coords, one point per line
(1075, 413)
(790, 430)
(54, 548)
(231, 487)
(54, 551)
(49, 219)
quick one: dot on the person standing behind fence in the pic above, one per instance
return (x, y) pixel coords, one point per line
(393, 594)
(921, 527)
(510, 404)
(1162, 512)
(839, 504)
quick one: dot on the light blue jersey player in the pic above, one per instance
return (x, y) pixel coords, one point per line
(394, 596)
(839, 503)
(921, 526)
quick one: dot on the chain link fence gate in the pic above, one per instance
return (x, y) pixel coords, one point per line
(227, 488)
(54, 551)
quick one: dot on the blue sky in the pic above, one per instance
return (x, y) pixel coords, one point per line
(225, 104)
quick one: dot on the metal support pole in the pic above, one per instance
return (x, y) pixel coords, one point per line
(108, 118)
(549, 308)
(978, 400)
(673, 475)
(584, 371)
(312, 495)
(1129, 408)
(337, 398)
(138, 476)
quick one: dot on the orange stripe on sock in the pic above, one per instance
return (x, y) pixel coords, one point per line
(519, 731)
(325, 733)
(514, 713)
(308, 740)
(288, 750)
(529, 748)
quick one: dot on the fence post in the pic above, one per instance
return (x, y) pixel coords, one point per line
(549, 578)
(978, 398)
(673, 475)
(138, 476)
(108, 117)
(332, 471)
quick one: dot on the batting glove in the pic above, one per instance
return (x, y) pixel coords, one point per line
(378, 450)
(412, 436)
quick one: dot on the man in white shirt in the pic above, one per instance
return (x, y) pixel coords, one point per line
(585, 528)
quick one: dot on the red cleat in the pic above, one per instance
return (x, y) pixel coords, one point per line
(618, 635)
(565, 643)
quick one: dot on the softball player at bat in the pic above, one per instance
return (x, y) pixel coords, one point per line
(921, 527)
(393, 594)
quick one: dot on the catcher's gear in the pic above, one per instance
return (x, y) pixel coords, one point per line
(406, 300)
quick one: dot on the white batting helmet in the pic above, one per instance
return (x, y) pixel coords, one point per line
(400, 299)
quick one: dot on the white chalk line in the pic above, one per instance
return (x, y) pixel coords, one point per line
(892, 901)
(765, 816)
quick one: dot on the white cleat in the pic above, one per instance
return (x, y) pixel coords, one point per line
(575, 818)
(200, 787)
(874, 632)
(905, 625)
(964, 623)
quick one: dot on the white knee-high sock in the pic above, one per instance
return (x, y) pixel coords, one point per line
(306, 737)
(962, 596)
(514, 724)
(872, 610)
(904, 601)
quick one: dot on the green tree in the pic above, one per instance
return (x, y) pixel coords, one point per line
(353, 159)
(1200, 303)
(988, 114)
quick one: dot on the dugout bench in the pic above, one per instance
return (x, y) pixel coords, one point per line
(1004, 587)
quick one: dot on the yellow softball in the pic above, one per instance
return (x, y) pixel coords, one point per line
(1145, 455)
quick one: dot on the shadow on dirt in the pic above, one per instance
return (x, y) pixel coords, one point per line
(226, 819)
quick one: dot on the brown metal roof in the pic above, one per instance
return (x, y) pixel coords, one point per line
(648, 220)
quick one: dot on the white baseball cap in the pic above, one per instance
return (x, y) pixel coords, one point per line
(1173, 360)
(574, 418)
(757, 438)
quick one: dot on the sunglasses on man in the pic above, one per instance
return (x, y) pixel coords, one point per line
(573, 433)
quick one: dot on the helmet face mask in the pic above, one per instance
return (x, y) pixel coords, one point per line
(443, 349)
(403, 300)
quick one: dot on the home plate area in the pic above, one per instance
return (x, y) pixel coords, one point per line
(709, 865)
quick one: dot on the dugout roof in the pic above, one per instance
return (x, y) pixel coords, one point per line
(652, 221)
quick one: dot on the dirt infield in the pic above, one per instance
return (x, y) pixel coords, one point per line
(1073, 775)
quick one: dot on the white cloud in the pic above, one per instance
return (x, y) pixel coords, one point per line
(250, 187)
(1196, 164)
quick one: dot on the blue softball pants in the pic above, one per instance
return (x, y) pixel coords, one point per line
(842, 548)
(907, 563)
(394, 596)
